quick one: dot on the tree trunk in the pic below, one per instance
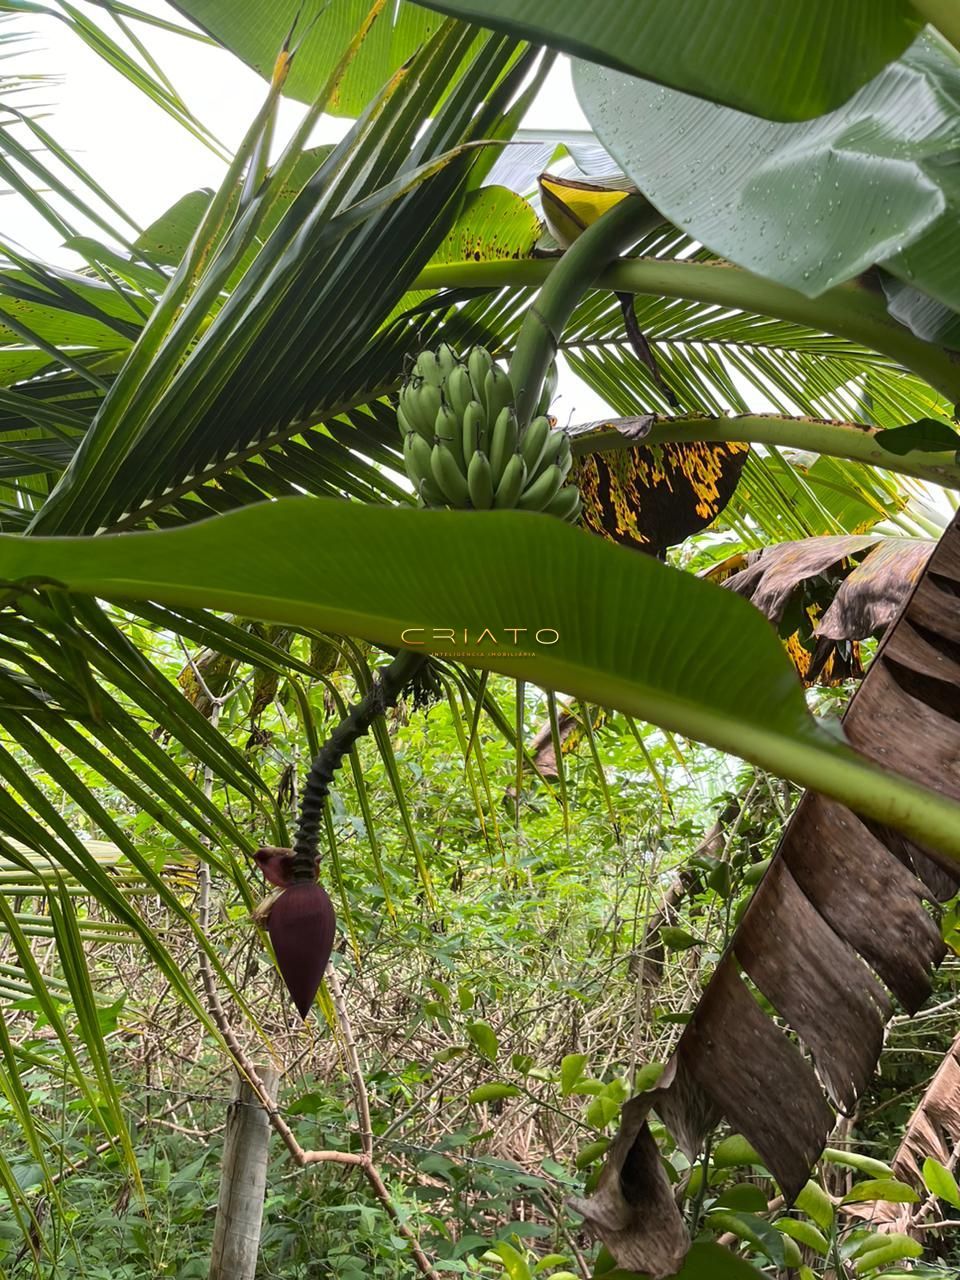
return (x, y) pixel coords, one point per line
(243, 1178)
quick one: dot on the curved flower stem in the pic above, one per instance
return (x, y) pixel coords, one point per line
(603, 241)
(383, 693)
(849, 311)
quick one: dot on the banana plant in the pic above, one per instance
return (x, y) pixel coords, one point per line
(253, 343)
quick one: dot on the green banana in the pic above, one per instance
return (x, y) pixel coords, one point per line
(497, 392)
(430, 495)
(416, 457)
(473, 430)
(448, 476)
(557, 451)
(543, 490)
(446, 359)
(565, 455)
(479, 363)
(458, 389)
(533, 442)
(565, 503)
(430, 401)
(414, 409)
(429, 369)
(461, 441)
(448, 432)
(511, 483)
(480, 482)
(503, 442)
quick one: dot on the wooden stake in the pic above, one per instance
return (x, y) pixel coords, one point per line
(243, 1178)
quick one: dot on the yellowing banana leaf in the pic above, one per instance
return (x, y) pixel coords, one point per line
(653, 496)
(601, 623)
(570, 205)
(494, 223)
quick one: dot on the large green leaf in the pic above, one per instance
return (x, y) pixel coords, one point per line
(255, 32)
(788, 62)
(809, 205)
(602, 623)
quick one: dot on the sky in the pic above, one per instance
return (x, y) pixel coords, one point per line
(146, 161)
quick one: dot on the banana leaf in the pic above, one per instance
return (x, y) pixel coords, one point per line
(321, 31)
(836, 927)
(809, 205)
(602, 623)
(785, 63)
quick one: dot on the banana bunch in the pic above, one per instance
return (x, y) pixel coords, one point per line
(463, 447)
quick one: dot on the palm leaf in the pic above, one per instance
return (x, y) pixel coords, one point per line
(288, 332)
(135, 63)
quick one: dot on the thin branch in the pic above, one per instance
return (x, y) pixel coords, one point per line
(353, 1062)
(925, 1013)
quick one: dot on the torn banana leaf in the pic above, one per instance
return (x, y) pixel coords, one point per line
(932, 1133)
(797, 582)
(837, 930)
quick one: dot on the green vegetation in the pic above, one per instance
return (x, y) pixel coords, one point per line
(218, 435)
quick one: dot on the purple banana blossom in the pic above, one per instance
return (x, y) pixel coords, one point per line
(301, 924)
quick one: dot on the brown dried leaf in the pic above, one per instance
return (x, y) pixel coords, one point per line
(541, 747)
(934, 1128)
(872, 593)
(864, 604)
(773, 574)
(756, 1077)
(632, 1209)
(843, 1024)
(932, 1131)
(840, 900)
